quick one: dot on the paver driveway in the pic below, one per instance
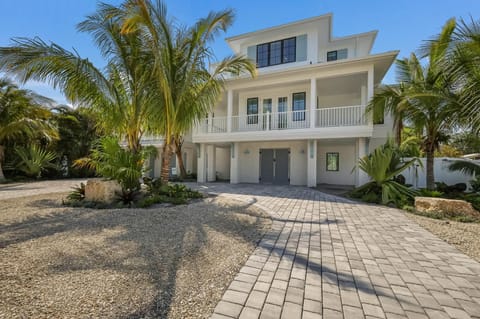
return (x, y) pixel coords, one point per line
(327, 257)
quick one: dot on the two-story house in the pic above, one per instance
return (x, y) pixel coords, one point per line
(301, 120)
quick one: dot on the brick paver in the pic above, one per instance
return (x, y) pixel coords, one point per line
(328, 257)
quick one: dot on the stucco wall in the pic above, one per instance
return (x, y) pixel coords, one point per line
(347, 158)
(222, 162)
(249, 160)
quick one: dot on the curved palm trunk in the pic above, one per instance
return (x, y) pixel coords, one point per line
(430, 171)
(2, 150)
(178, 152)
(166, 154)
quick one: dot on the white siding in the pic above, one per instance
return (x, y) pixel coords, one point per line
(249, 161)
(222, 162)
(347, 159)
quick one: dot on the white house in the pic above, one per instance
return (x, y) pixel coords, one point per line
(302, 120)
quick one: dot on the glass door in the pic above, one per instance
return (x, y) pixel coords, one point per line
(282, 112)
(267, 114)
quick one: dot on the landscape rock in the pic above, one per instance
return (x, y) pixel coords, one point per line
(102, 191)
(448, 207)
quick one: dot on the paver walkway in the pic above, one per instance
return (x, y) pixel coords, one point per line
(327, 257)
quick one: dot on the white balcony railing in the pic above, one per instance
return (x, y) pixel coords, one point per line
(324, 117)
(341, 116)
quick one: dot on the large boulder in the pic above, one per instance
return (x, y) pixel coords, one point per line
(102, 191)
(448, 207)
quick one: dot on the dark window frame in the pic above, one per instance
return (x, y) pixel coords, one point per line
(283, 57)
(252, 117)
(298, 115)
(337, 162)
(334, 54)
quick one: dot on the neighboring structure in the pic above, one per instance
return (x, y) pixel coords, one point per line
(188, 155)
(302, 120)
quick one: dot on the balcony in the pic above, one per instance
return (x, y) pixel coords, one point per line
(282, 123)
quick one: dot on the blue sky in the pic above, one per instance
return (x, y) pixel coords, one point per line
(402, 25)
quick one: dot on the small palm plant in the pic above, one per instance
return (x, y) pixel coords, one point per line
(110, 160)
(383, 166)
(34, 160)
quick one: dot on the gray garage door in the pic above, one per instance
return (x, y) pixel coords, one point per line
(274, 166)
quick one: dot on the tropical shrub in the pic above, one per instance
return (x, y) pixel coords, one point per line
(34, 160)
(77, 194)
(382, 166)
(112, 161)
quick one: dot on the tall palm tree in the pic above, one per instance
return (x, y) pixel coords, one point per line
(121, 93)
(21, 115)
(464, 66)
(187, 89)
(425, 97)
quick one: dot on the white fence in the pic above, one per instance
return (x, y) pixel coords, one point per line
(416, 176)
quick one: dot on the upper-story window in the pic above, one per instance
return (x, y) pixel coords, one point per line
(276, 52)
(337, 55)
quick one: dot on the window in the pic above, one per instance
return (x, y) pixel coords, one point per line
(262, 55)
(298, 106)
(282, 112)
(337, 55)
(277, 52)
(289, 50)
(252, 110)
(332, 161)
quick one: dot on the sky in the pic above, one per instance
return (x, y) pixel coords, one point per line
(402, 25)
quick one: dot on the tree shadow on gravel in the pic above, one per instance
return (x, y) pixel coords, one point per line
(149, 242)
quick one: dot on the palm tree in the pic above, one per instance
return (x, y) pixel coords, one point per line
(21, 115)
(181, 55)
(121, 93)
(425, 97)
(464, 66)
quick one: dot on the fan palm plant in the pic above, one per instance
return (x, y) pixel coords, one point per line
(425, 97)
(382, 166)
(21, 115)
(34, 160)
(188, 90)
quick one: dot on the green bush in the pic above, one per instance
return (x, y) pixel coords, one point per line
(428, 193)
(34, 160)
(77, 194)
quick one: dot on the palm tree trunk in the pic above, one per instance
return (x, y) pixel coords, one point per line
(166, 154)
(178, 152)
(2, 153)
(430, 171)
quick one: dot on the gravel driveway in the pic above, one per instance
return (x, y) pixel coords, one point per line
(15, 190)
(164, 262)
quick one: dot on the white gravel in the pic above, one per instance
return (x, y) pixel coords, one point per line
(62, 262)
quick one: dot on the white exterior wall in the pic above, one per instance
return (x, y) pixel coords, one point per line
(274, 94)
(416, 176)
(190, 161)
(249, 160)
(222, 163)
(347, 161)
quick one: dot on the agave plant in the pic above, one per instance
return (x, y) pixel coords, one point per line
(110, 160)
(34, 160)
(383, 166)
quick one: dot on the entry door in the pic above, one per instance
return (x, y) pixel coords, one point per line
(274, 166)
(281, 166)
(266, 166)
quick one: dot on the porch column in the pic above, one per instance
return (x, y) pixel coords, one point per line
(229, 110)
(313, 101)
(312, 163)
(370, 90)
(201, 163)
(361, 177)
(234, 154)
(210, 123)
(211, 167)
